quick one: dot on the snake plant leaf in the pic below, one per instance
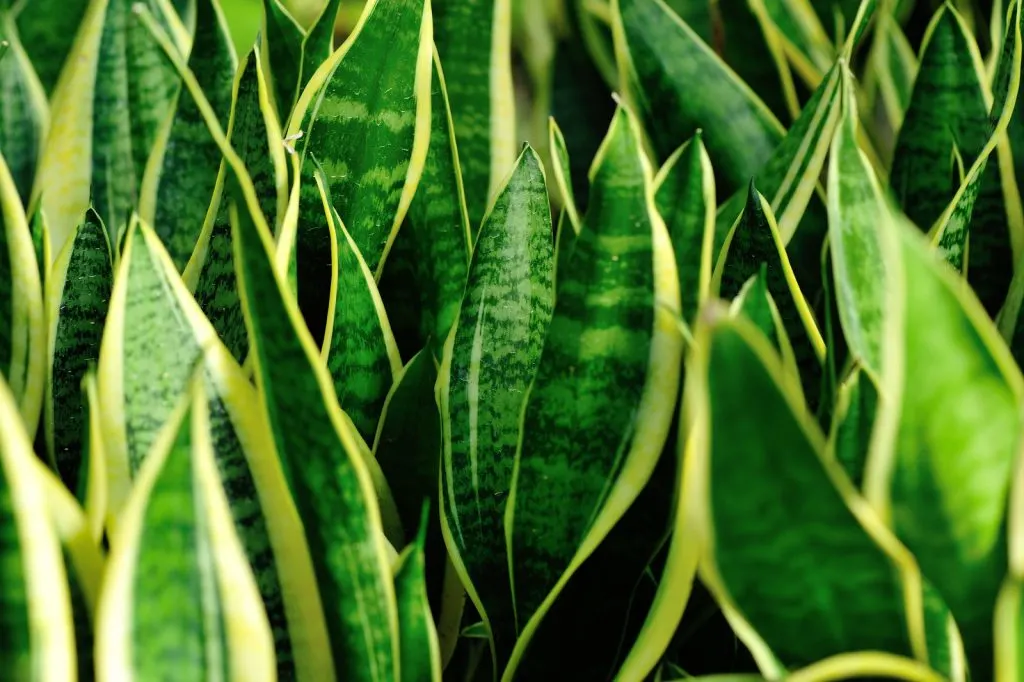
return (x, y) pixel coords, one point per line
(36, 634)
(562, 171)
(600, 406)
(892, 70)
(835, 547)
(47, 29)
(365, 115)
(179, 590)
(859, 235)
(22, 327)
(25, 115)
(685, 195)
(318, 43)
(107, 109)
(1009, 627)
(182, 170)
(941, 462)
(490, 358)
(361, 352)
(753, 241)
(77, 298)
(437, 227)
(663, 61)
(420, 651)
(853, 423)
(327, 473)
(802, 36)
(91, 490)
(40, 242)
(474, 41)
(282, 50)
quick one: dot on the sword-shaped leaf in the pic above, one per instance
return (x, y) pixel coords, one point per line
(420, 651)
(25, 116)
(562, 171)
(318, 44)
(474, 41)
(48, 29)
(437, 227)
(113, 96)
(283, 37)
(765, 553)
(91, 488)
(22, 325)
(942, 452)
(489, 361)
(36, 634)
(892, 70)
(854, 420)
(600, 406)
(685, 195)
(77, 298)
(179, 591)
(365, 116)
(182, 170)
(663, 62)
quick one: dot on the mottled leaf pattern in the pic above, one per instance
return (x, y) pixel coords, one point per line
(24, 116)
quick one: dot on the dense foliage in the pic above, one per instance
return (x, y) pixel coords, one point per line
(507, 340)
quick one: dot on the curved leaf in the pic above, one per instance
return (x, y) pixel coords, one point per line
(25, 116)
(283, 38)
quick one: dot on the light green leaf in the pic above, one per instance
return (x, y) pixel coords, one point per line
(421, 654)
(562, 171)
(853, 423)
(25, 116)
(365, 116)
(613, 324)
(489, 360)
(91, 488)
(763, 555)
(474, 41)
(77, 297)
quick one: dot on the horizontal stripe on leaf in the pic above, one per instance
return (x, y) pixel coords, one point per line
(828, 544)
(490, 359)
(24, 117)
(365, 116)
(77, 298)
(596, 417)
(182, 170)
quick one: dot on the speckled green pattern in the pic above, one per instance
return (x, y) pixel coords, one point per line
(217, 289)
(47, 29)
(159, 350)
(464, 33)
(7, 294)
(683, 205)
(15, 642)
(498, 341)
(134, 92)
(946, 107)
(855, 419)
(21, 126)
(82, 621)
(176, 610)
(437, 225)
(420, 656)
(579, 417)
(670, 62)
(188, 172)
(781, 530)
(83, 309)
(959, 432)
(357, 597)
(250, 525)
(362, 129)
(249, 136)
(752, 245)
(284, 51)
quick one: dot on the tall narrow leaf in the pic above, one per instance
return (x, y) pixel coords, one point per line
(24, 118)
(421, 654)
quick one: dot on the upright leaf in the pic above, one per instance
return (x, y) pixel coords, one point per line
(318, 44)
(25, 115)
(474, 41)
(283, 38)
(48, 30)
(489, 361)
(420, 652)
(91, 487)
(598, 411)
(77, 297)
(365, 116)
(853, 423)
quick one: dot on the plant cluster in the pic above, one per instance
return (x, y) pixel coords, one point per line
(310, 369)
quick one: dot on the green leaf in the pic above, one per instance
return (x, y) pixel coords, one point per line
(365, 116)
(489, 360)
(1009, 627)
(107, 110)
(685, 195)
(22, 330)
(48, 30)
(77, 298)
(420, 652)
(613, 324)
(474, 41)
(892, 70)
(853, 423)
(179, 591)
(755, 303)
(36, 634)
(182, 170)
(663, 62)
(25, 116)
(765, 555)
(942, 454)
(562, 171)
(318, 43)
(282, 49)
(91, 488)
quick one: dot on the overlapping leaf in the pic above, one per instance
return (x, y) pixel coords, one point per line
(25, 114)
